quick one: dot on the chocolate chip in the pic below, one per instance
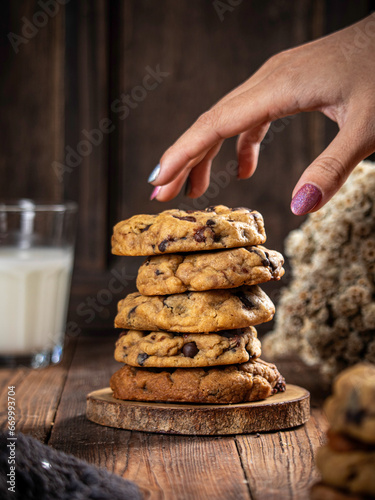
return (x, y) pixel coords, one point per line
(142, 356)
(280, 385)
(355, 413)
(132, 311)
(210, 222)
(217, 238)
(163, 245)
(272, 264)
(158, 273)
(122, 334)
(351, 476)
(245, 300)
(199, 235)
(234, 342)
(257, 218)
(190, 349)
(264, 259)
(187, 218)
(146, 228)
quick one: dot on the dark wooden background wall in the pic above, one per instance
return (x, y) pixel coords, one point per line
(67, 78)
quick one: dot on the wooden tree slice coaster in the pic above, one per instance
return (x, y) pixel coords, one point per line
(281, 411)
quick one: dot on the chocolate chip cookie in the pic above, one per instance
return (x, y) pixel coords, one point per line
(347, 461)
(196, 312)
(166, 349)
(250, 381)
(321, 491)
(178, 273)
(176, 230)
(351, 408)
(353, 471)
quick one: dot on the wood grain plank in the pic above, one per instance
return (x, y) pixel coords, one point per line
(187, 468)
(31, 100)
(281, 465)
(37, 396)
(273, 465)
(88, 116)
(165, 467)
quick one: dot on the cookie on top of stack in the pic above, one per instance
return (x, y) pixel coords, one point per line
(347, 461)
(189, 331)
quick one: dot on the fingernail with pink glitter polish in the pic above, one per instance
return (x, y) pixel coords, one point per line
(306, 199)
(155, 192)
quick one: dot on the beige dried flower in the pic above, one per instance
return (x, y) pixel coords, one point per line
(368, 316)
(327, 314)
(368, 250)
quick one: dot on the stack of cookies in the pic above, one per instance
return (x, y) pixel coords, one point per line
(189, 331)
(347, 461)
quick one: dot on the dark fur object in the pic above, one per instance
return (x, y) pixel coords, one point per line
(42, 473)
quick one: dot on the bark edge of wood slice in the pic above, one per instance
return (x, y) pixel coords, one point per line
(281, 411)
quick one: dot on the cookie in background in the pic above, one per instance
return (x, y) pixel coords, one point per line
(347, 461)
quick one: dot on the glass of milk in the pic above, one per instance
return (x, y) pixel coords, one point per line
(36, 261)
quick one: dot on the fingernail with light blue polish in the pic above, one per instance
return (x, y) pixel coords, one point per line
(154, 173)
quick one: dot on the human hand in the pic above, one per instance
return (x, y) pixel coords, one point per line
(334, 75)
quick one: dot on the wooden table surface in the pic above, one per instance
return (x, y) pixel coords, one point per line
(50, 405)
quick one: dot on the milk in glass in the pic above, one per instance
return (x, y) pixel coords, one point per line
(34, 291)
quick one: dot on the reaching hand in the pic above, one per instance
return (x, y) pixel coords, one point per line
(334, 75)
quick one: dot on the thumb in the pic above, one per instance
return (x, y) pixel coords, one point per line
(325, 176)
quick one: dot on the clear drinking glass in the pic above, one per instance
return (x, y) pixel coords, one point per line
(36, 261)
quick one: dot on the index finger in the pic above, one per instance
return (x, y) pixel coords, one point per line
(251, 108)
